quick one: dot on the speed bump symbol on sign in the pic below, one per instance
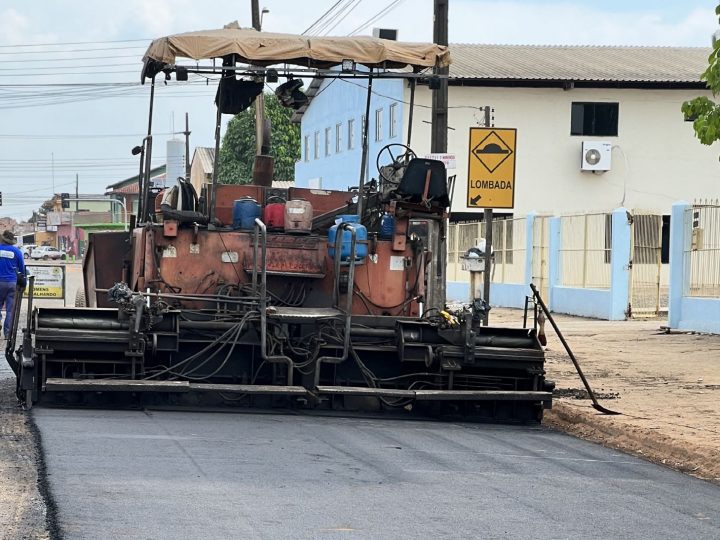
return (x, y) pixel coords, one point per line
(491, 168)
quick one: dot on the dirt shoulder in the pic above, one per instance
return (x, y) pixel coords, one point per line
(666, 386)
(22, 509)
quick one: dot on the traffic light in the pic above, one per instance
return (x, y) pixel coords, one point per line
(0, 198)
(64, 200)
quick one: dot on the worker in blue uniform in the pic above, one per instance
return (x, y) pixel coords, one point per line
(12, 269)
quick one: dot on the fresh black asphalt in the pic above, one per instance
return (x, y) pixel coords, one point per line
(187, 475)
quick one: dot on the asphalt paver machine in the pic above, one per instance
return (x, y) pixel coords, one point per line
(252, 296)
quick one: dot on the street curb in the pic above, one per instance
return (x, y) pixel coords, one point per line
(619, 433)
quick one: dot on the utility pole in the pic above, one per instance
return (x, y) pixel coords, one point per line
(187, 147)
(77, 192)
(259, 101)
(52, 169)
(263, 167)
(438, 144)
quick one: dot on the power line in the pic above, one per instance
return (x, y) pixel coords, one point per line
(319, 19)
(387, 9)
(348, 12)
(46, 60)
(477, 108)
(332, 18)
(73, 160)
(79, 67)
(74, 43)
(75, 135)
(43, 74)
(74, 50)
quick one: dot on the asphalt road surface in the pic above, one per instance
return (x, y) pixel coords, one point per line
(166, 474)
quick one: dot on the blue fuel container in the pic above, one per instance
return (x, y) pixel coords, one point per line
(361, 249)
(387, 227)
(244, 213)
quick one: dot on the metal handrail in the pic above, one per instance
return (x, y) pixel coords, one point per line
(261, 230)
(336, 294)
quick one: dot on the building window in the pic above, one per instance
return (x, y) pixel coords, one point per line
(338, 138)
(393, 120)
(594, 119)
(306, 152)
(378, 125)
(351, 134)
(328, 134)
(316, 150)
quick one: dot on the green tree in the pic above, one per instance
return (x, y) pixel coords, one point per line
(237, 150)
(704, 111)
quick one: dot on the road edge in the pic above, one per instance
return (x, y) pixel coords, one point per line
(43, 483)
(617, 433)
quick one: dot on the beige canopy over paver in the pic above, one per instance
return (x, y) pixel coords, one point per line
(265, 48)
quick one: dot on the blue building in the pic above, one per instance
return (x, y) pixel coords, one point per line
(332, 128)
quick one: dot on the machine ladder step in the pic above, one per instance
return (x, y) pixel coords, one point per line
(303, 315)
(440, 395)
(129, 385)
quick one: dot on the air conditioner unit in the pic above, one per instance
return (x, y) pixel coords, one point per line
(596, 156)
(385, 33)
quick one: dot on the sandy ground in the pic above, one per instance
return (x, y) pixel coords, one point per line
(666, 386)
(22, 509)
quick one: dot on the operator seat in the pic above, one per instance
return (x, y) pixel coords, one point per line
(425, 182)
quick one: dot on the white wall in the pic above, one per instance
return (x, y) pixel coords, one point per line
(665, 163)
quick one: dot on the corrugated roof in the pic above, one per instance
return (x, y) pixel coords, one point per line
(578, 63)
(156, 173)
(206, 156)
(283, 184)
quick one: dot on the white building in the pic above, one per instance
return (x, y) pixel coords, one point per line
(557, 98)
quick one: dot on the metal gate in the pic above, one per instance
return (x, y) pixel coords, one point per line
(541, 255)
(648, 287)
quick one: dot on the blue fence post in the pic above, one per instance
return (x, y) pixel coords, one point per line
(554, 268)
(678, 274)
(621, 247)
(529, 228)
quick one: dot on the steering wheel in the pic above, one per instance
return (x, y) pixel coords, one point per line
(398, 161)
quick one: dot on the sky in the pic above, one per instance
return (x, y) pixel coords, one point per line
(71, 104)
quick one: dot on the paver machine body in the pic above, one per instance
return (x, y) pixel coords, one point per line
(250, 295)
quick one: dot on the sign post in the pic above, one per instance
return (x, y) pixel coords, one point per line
(491, 183)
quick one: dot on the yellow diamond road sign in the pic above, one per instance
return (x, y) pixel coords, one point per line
(491, 168)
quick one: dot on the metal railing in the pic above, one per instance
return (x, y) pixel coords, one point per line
(702, 249)
(541, 254)
(585, 251)
(649, 284)
(509, 246)
(461, 237)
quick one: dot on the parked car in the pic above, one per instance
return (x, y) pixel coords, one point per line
(47, 252)
(26, 249)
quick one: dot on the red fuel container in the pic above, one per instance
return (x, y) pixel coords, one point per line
(274, 215)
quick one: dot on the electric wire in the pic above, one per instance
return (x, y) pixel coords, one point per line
(387, 9)
(57, 44)
(348, 4)
(311, 28)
